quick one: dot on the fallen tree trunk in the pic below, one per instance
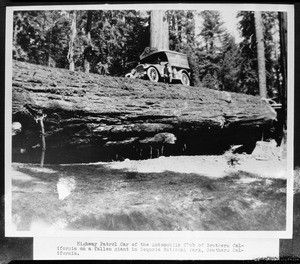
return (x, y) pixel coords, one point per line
(101, 117)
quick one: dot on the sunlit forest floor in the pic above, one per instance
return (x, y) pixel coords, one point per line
(167, 193)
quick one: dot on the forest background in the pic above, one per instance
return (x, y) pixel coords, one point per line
(114, 39)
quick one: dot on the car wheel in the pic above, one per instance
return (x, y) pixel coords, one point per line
(185, 80)
(152, 74)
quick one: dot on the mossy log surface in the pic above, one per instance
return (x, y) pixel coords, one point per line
(104, 114)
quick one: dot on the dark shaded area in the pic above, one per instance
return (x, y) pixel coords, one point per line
(12, 248)
(291, 247)
(205, 142)
(139, 261)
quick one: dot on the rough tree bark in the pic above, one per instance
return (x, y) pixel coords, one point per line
(260, 55)
(159, 30)
(104, 115)
(72, 40)
(88, 49)
(282, 116)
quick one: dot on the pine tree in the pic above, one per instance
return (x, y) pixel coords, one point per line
(249, 82)
(229, 64)
(210, 49)
(182, 39)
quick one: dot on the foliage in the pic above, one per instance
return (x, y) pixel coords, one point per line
(213, 53)
(232, 158)
(248, 47)
(118, 37)
(183, 39)
(212, 31)
(39, 35)
(230, 64)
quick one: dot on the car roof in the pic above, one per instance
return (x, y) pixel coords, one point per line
(142, 56)
(177, 59)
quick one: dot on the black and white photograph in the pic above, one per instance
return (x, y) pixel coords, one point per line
(149, 118)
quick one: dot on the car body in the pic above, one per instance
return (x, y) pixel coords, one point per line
(153, 63)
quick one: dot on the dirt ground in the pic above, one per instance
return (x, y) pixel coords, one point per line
(167, 193)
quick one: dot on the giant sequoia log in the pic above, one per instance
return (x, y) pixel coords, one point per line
(92, 117)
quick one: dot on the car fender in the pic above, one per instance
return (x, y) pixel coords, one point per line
(184, 71)
(178, 72)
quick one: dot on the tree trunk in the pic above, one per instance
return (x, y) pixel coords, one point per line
(71, 42)
(159, 30)
(88, 49)
(40, 120)
(282, 16)
(92, 117)
(260, 55)
(283, 55)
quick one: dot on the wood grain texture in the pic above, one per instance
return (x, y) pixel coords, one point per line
(91, 109)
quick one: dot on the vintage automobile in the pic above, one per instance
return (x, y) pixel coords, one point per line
(153, 63)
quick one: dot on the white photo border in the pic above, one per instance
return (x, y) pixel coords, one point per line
(153, 234)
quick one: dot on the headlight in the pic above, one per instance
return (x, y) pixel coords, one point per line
(140, 69)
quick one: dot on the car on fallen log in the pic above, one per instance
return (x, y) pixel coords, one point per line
(164, 65)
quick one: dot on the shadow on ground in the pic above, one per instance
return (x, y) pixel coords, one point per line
(99, 198)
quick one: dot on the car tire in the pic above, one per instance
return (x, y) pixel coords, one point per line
(153, 74)
(185, 80)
